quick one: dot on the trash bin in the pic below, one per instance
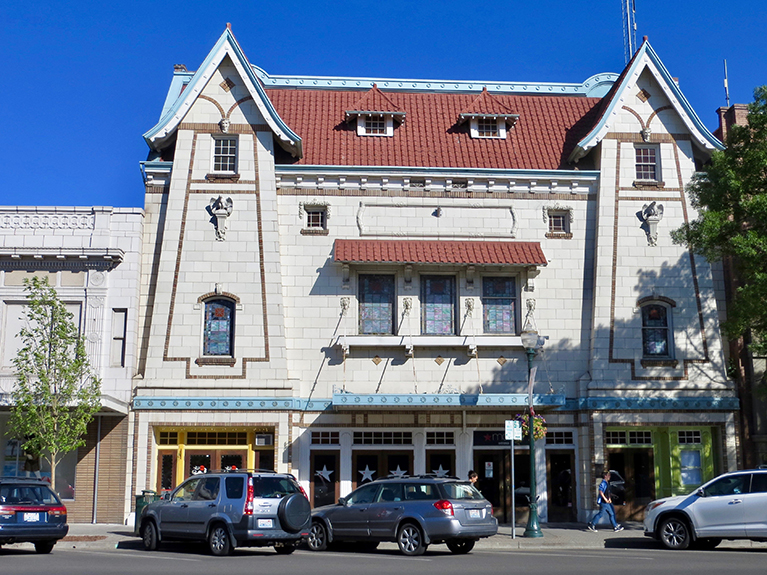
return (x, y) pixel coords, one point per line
(147, 496)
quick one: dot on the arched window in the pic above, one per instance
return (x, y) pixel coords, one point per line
(218, 330)
(657, 338)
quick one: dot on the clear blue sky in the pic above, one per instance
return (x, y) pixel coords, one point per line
(84, 80)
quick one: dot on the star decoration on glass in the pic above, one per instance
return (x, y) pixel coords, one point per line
(398, 472)
(440, 472)
(367, 474)
(324, 473)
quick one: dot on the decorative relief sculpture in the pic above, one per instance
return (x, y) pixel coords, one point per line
(220, 209)
(224, 125)
(650, 215)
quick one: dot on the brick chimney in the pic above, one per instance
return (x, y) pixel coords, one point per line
(735, 114)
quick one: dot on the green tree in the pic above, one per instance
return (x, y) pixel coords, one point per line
(731, 197)
(56, 393)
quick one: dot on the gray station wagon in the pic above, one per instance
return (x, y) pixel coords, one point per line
(413, 511)
(230, 509)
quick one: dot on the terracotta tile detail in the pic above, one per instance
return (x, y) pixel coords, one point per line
(439, 252)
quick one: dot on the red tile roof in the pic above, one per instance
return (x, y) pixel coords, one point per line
(546, 132)
(486, 103)
(375, 101)
(439, 252)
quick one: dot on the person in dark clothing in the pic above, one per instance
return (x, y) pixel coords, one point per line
(605, 500)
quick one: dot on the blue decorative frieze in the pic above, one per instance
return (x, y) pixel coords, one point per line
(662, 403)
(412, 400)
(231, 403)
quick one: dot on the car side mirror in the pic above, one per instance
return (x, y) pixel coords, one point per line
(165, 496)
(700, 492)
(342, 501)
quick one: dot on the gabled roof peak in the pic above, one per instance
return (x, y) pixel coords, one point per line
(374, 101)
(486, 105)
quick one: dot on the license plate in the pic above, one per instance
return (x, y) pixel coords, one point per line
(265, 523)
(475, 514)
(31, 517)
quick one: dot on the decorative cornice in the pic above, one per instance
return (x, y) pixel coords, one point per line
(230, 403)
(461, 400)
(595, 87)
(33, 258)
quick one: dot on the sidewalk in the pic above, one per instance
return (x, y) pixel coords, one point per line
(555, 535)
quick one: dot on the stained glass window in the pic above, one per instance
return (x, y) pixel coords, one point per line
(219, 327)
(376, 298)
(438, 305)
(655, 330)
(499, 304)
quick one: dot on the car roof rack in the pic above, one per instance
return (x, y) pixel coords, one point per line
(224, 471)
(419, 476)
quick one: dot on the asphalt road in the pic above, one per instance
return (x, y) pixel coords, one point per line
(131, 559)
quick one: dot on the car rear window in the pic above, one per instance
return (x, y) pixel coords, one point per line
(459, 490)
(273, 487)
(27, 495)
(235, 487)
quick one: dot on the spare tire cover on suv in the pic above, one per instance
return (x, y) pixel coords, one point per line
(294, 512)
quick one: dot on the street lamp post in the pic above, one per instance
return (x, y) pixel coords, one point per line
(530, 343)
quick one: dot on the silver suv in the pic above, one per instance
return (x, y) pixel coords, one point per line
(230, 509)
(413, 511)
(732, 506)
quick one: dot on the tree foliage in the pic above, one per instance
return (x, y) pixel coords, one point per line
(56, 394)
(731, 197)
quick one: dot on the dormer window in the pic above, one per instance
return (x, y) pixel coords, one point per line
(376, 114)
(374, 125)
(488, 128)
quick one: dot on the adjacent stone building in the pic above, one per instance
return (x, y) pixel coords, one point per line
(336, 273)
(92, 256)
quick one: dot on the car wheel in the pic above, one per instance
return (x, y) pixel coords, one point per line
(318, 537)
(44, 546)
(460, 546)
(149, 536)
(674, 533)
(218, 540)
(284, 548)
(708, 543)
(293, 512)
(410, 540)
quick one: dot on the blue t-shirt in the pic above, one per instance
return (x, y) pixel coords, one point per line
(604, 487)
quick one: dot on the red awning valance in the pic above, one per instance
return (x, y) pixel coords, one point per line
(439, 252)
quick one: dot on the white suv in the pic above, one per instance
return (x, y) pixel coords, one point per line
(732, 506)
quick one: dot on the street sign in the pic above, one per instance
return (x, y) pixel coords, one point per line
(514, 429)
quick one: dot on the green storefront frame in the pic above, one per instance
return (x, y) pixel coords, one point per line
(683, 457)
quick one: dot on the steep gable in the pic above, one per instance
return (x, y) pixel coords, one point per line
(228, 55)
(645, 63)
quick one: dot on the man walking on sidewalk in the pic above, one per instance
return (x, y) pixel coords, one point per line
(605, 500)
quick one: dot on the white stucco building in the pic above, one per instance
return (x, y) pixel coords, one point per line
(336, 273)
(92, 257)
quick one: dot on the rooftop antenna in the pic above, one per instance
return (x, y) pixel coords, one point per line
(726, 86)
(628, 10)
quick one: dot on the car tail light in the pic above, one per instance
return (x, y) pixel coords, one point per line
(7, 512)
(445, 506)
(303, 491)
(249, 498)
(57, 511)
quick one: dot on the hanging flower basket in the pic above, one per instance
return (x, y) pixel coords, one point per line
(539, 425)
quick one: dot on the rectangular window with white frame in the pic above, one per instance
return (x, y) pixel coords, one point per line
(316, 218)
(438, 305)
(499, 302)
(376, 304)
(647, 163)
(225, 155)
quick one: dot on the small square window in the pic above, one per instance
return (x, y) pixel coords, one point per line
(647, 163)
(375, 125)
(225, 155)
(315, 218)
(559, 223)
(488, 128)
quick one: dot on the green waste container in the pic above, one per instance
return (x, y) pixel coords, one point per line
(146, 497)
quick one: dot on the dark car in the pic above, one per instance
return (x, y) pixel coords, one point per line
(413, 511)
(31, 513)
(230, 509)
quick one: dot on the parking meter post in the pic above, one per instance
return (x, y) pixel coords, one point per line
(513, 494)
